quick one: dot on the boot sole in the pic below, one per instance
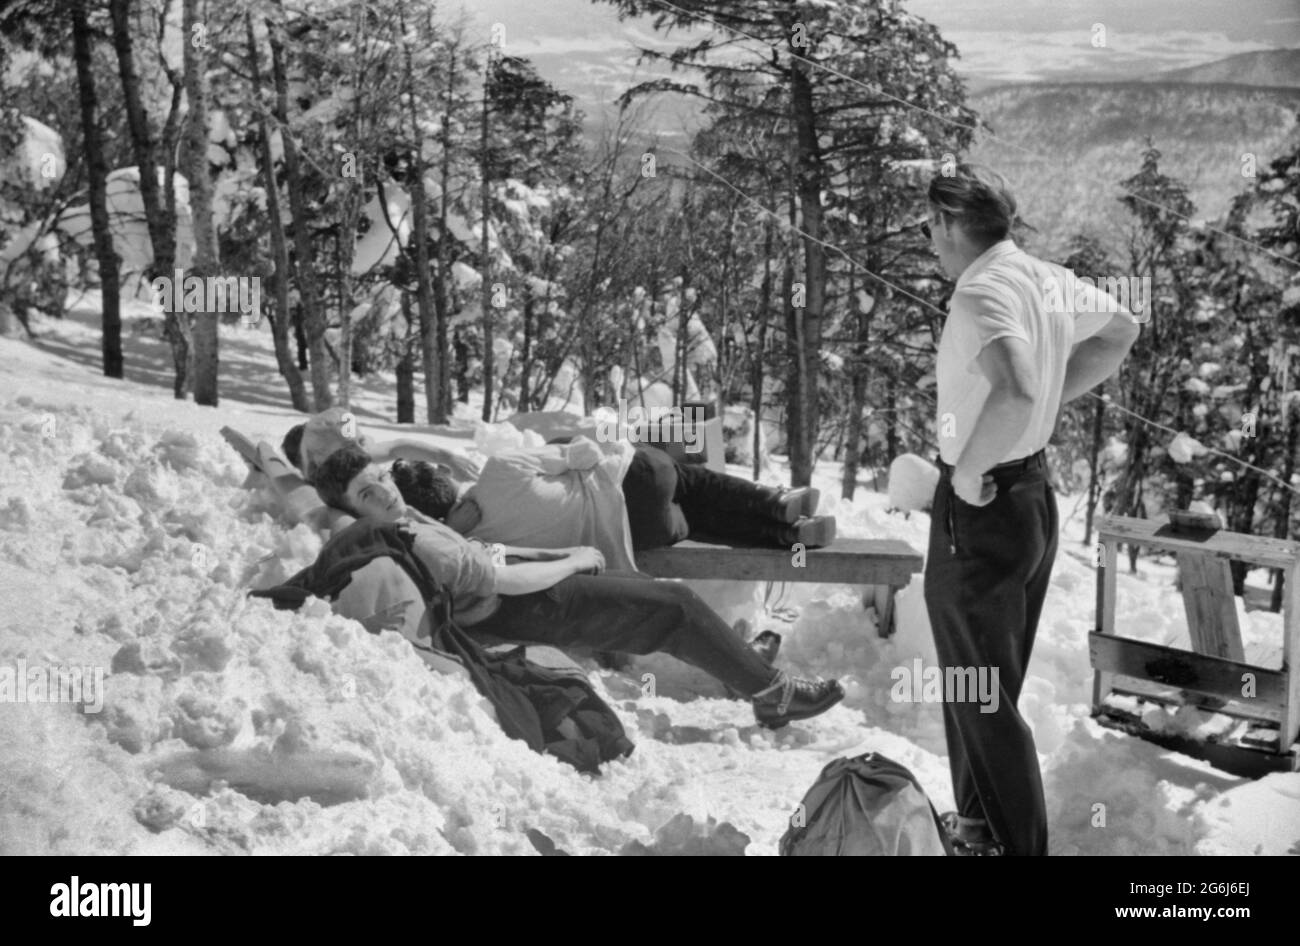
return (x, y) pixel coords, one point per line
(816, 532)
(798, 504)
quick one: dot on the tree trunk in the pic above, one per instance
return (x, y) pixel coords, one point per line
(488, 354)
(406, 370)
(430, 317)
(97, 167)
(760, 347)
(313, 313)
(525, 369)
(279, 248)
(462, 368)
(891, 432)
(858, 398)
(206, 260)
(804, 326)
(345, 246)
(1282, 528)
(300, 337)
(1094, 479)
(160, 220)
(442, 301)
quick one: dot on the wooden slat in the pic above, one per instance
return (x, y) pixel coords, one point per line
(1246, 761)
(1212, 676)
(1291, 656)
(1211, 606)
(1173, 696)
(1107, 570)
(848, 561)
(1157, 534)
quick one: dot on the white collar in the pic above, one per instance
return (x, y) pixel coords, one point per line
(999, 250)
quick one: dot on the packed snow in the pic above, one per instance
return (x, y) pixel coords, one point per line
(128, 543)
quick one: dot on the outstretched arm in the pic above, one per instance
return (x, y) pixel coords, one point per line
(462, 468)
(526, 577)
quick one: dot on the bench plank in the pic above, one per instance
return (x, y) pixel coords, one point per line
(847, 561)
(1159, 534)
(1210, 605)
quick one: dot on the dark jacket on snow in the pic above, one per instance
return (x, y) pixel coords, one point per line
(531, 701)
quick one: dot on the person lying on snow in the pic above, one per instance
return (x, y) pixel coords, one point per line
(565, 598)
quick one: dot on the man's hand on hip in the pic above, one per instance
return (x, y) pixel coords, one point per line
(978, 489)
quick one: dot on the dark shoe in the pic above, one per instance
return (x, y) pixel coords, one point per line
(790, 698)
(969, 842)
(814, 532)
(788, 505)
(767, 645)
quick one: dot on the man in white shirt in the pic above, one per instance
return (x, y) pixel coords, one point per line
(1016, 346)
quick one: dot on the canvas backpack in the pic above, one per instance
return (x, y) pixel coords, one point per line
(865, 806)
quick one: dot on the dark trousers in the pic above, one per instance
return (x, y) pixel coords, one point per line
(631, 613)
(986, 575)
(668, 501)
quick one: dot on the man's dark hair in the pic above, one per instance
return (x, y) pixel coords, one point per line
(424, 488)
(977, 198)
(339, 469)
(292, 443)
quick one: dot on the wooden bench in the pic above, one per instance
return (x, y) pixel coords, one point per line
(1262, 703)
(886, 564)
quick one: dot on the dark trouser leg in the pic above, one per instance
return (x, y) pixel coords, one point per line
(649, 488)
(721, 506)
(984, 601)
(633, 614)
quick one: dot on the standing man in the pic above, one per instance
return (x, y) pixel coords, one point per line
(1022, 338)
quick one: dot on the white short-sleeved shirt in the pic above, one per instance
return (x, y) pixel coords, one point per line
(1006, 293)
(557, 497)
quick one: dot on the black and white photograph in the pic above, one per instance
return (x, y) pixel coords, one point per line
(651, 428)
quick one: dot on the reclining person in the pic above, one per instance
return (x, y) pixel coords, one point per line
(563, 597)
(528, 496)
(579, 490)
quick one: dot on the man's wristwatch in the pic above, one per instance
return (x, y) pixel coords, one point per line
(498, 554)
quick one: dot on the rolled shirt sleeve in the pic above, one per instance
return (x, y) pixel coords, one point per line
(462, 566)
(1093, 308)
(985, 313)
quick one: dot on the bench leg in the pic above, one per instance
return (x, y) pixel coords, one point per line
(881, 597)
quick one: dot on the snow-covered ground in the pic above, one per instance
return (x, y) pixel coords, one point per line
(127, 543)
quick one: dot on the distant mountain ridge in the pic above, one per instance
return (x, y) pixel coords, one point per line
(1087, 137)
(1265, 68)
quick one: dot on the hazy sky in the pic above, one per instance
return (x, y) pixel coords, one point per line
(1004, 40)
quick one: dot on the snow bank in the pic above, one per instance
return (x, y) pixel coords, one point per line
(127, 544)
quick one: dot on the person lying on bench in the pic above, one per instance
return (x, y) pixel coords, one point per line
(307, 444)
(574, 492)
(563, 597)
